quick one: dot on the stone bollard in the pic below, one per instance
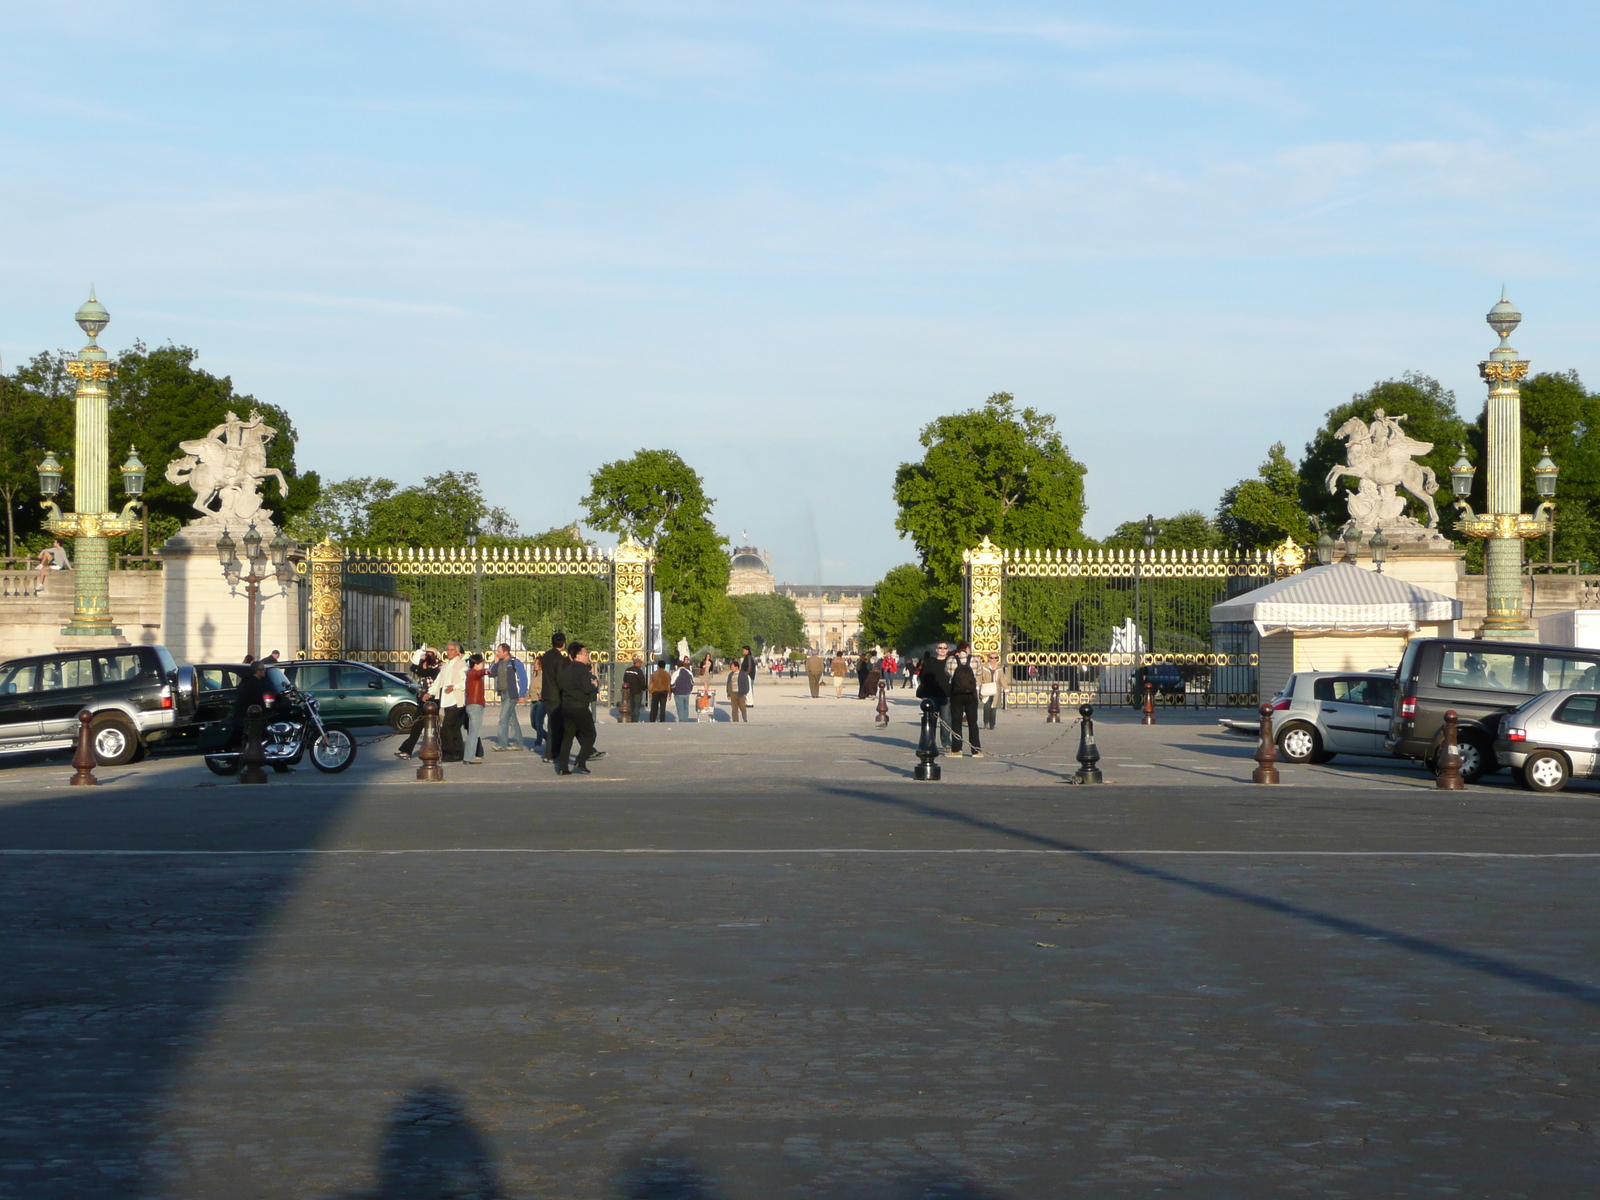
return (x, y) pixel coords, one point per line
(1052, 715)
(429, 751)
(83, 759)
(1266, 751)
(1449, 779)
(883, 705)
(1148, 716)
(1088, 752)
(927, 768)
(253, 754)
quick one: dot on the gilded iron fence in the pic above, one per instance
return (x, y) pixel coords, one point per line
(1099, 623)
(467, 594)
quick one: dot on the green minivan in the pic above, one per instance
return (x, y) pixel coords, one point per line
(354, 693)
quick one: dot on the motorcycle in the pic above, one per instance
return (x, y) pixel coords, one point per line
(293, 729)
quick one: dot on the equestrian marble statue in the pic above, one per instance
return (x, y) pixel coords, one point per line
(226, 469)
(1380, 457)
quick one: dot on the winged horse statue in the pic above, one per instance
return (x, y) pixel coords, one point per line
(1380, 456)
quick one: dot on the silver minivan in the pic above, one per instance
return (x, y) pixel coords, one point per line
(1322, 713)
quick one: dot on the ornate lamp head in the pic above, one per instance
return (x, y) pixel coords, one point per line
(1325, 550)
(1503, 318)
(1352, 540)
(133, 473)
(1150, 531)
(1544, 475)
(1380, 550)
(50, 475)
(92, 317)
(252, 543)
(1461, 475)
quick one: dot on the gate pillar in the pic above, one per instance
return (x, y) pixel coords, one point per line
(984, 566)
(630, 581)
(325, 565)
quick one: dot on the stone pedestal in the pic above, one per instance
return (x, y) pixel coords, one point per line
(204, 618)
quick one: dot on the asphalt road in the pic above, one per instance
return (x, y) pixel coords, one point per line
(737, 986)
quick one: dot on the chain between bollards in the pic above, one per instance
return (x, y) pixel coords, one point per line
(1088, 752)
(429, 750)
(83, 760)
(253, 754)
(1449, 779)
(927, 768)
(1266, 751)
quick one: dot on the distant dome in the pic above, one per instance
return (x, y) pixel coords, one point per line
(747, 562)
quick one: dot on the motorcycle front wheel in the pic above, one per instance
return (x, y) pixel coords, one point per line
(334, 752)
(220, 765)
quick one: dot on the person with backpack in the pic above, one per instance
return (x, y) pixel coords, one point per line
(963, 699)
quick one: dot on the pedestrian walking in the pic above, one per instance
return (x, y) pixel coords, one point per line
(839, 669)
(963, 700)
(932, 683)
(473, 722)
(738, 692)
(554, 662)
(682, 689)
(890, 666)
(536, 712)
(660, 689)
(748, 664)
(578, 689)
(991, 689)
(511, 683)
(867, 675)
(910, 673)
(944, 666)
(814, 668)
(634, 682)
(451, 688)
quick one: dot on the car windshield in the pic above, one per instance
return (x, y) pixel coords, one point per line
(278, 681)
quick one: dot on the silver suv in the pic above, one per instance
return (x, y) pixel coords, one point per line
(1322, 713)
(1551, 738)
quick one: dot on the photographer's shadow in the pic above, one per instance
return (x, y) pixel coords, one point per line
(432, 1151)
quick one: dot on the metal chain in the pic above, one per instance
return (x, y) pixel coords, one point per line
(1067, 728)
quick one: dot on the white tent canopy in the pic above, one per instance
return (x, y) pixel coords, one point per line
(1342, 596)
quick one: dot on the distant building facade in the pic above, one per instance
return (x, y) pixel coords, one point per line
(832, 613)
(750, 572)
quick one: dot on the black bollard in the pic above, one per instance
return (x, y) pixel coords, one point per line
(883, 704)
(927, 768)
(1052, 714)
(253, 755)
(1449, 779)
(1088, 752)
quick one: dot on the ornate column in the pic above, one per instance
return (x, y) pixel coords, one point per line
(630, 580)
(325, 565)
(984, 566)
(90, 525)
(1504, 526)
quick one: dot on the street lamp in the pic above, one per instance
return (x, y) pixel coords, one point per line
(91, 525)
(264, 565)
(1352, 541)
(1504, 526)
(477, 588)
(1325, 550)
(1380, 550)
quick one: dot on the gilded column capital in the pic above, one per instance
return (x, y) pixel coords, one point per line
(1503, 372)
(89, 369)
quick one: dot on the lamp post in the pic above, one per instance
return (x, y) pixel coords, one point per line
(263, 565)
(1504, 526)
(91, 525)
(477, 590)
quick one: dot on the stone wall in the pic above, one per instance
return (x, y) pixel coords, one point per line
(1541, 596)
(31, 620)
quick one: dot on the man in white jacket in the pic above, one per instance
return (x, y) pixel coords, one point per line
(451, 690)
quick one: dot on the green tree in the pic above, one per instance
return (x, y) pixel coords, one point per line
(341, 511)
(1260, 512)
(1189, 530)
(438, 512)
(660, 500)
(996, 471)
(904, 612)
(772, 619)
(1430, 409)
(1558, 413)
(30, 424)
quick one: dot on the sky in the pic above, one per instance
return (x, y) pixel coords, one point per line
(529, 238)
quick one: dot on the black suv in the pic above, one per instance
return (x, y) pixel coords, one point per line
(137, 695)
(1481, 680)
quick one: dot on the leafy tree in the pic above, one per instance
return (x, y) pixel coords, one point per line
(904, 612)
(772, 619)
(1189, 530)
(660, 500)
(30, 424)
(996, 471)
(1431, 411)
(439, 512)
(1557, 412)
(1260, 512)
(342, 511)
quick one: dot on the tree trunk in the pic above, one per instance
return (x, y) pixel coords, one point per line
(11, 522)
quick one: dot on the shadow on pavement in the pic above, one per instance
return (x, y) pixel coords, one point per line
(114, 965)
(1469, 960)
(432, 1151)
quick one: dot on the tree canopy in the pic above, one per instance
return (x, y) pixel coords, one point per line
(772, 619)
(1188, 530)
(903, 612)
(1557, 412)
(999, 472)
(1261, 512)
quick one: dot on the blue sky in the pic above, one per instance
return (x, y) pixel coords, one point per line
(529, 238)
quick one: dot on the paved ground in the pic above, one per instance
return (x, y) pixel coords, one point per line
(759, 962)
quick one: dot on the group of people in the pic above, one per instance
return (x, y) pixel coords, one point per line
(562, 715)
(960, 684)
(674, 678)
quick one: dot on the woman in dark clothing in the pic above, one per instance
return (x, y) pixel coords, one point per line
(864, 673)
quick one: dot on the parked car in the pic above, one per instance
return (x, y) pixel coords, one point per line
(1552, 738)
(354, 693)
(1481, 681)
(1322, 713)
(1166, 682)
(137, 695)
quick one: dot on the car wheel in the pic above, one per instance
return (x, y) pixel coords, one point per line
(401, 717)
(1299, 744)
(1546, 771)
(113, 740)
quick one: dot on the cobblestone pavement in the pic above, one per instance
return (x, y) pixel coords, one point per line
(732, 977)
